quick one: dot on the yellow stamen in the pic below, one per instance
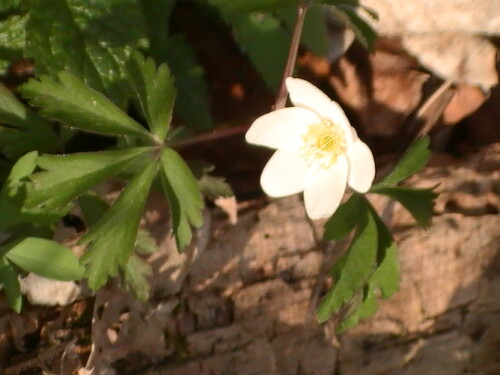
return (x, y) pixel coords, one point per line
(324, 142)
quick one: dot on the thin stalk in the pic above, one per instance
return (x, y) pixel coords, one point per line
(292, 54)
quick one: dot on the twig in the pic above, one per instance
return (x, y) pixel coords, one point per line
(292, 54)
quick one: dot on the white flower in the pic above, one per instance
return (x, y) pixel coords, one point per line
(318, 151)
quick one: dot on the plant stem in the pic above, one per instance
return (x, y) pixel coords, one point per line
(292, 54)
(210, 136)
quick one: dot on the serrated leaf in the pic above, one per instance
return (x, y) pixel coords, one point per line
(93, 40)
(7, 6)
(157, 14)
(413, 160)
(192, 105)
(26, 130)
(263, 39)
(92, 207)
(213, 187)
(364, 307)
(345, 218)
(419, 202)
(314, 33)
(153, 91)
(135, 274)
(253, 5)
(145, 243)
(77, 105)
(351, 16)
(183, 195)
(11, 287)
(387, 275)
(13, 194)
(44, 257)
(357, 267)
(112, 238)
(68, 176)
(12, 39)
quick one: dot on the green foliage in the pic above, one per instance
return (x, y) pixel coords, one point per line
(419, 202)
(183, 195)
(314, 33)
(211, 187)
(154, 89)
(192, 89)
(352, 272)
(413, 160)
(12, 39)
(77, 105)
(263, 39)
(43, 257)
(113, 237)
(13, 195)
(92, 40)
(135, 271)
(135, 275)
(66, 177)
(192, 104)
(369, 268)
(21, 129)
(352, 16)
(345, 219)
(253, 5)
(10, 284)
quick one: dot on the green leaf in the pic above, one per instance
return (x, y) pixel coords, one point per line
(414, 159)
(135, 275)
(263, 39)
(419, 202)
(68, 176)
(157, 14)
(357, 267)
(345, 218)
(93, 40)
(112, 238)
(362, 28)
(13, 194)
(11, 287)
(387, 274)
(25, 130)
(93, 207)
(183, 195)
(213, 187)
(314, 33)
(253, 5)
(44, 257)
(154, 92)
(12, 39)
(192, 104)
(77, 105)
(145, 243)
(364, 306)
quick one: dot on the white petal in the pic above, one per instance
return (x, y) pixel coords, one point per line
(324, 189)
(284, 174)
(305, 94)
(281, 128)
(361, 166)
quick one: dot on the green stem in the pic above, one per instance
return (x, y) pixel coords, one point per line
(292, 54)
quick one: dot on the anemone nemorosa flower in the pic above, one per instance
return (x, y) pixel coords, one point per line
(318, 151)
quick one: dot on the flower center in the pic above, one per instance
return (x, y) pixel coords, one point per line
(324, 142)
